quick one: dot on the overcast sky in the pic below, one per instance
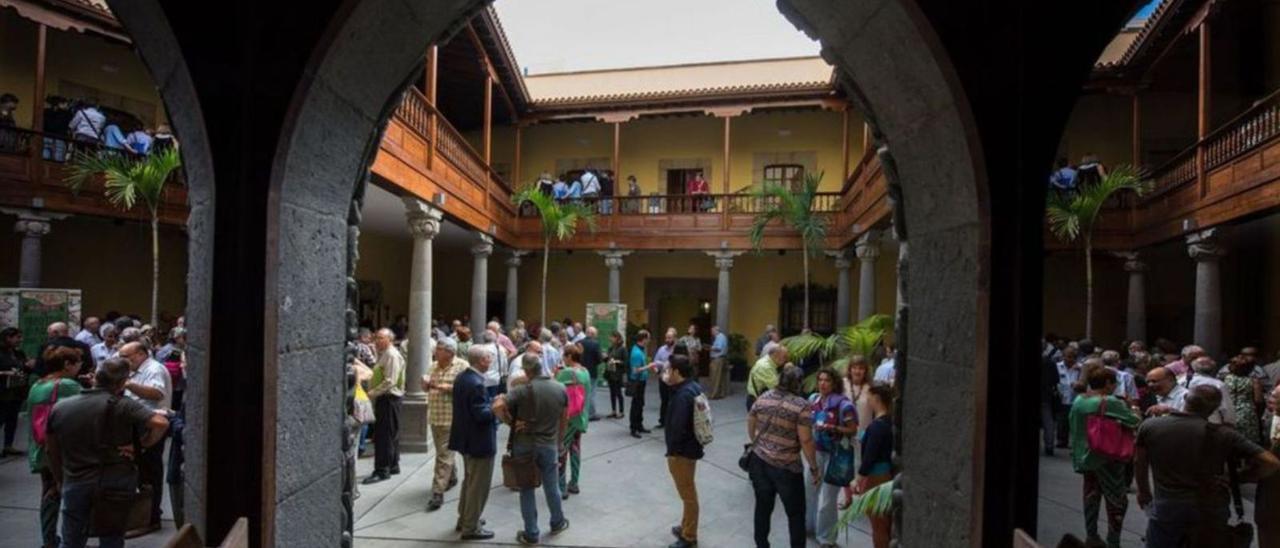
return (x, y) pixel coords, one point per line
(569, 35)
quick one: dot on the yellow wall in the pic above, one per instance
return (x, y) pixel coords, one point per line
(645, 142)
(83, 59)
(110, 261)
(756, 280)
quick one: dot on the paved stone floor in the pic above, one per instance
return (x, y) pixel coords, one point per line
(627, 497)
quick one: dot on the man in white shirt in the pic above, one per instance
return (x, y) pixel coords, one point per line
(151, 386)
(1170, 396)
(89, 331)
(884, 372)
(87, 124)
(1203, 372)
(103, 350)
(551, 356)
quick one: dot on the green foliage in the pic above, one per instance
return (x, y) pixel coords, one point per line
(1072, 215)
(876, 501)
(835, 350)
(738, 345)
(128, 180)
(795, 209)
(560, 220)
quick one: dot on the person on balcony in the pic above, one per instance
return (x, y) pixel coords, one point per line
(8, 137)
(1063, 178)
(138, 141)
(606, 192)
(574, 191)
(163, 139)
(545, 184)
(559, 190)
(1090, 171)
(87, 124)
(633, 192)
(113, 136)
(590, 186)
(699, 193)
(57, 118)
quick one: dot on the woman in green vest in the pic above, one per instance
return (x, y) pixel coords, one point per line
(61, 365)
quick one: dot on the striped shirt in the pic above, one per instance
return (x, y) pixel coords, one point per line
(777, 416)
(440, 402)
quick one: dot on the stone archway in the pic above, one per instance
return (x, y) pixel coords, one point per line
(280, 110)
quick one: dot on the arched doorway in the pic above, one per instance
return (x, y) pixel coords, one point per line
(282, 141)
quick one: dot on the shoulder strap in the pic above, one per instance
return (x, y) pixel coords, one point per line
(1102, 406)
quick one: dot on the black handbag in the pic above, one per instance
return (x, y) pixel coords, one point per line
(748, 453)
(521, 471)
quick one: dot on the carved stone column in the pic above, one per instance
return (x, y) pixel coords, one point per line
(480, 282)
(867, 249)
(613, 261)
(1136, 313)
(1204, 249)
(32, 228)
(513, 288)
(724, 262)
(424, 224)
(842, 286)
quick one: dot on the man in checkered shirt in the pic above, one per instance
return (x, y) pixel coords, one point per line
(438, 383)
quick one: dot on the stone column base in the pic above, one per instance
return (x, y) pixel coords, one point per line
(413, 425)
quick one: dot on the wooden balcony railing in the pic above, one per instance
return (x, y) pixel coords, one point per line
(685, 204)
(1242, 134)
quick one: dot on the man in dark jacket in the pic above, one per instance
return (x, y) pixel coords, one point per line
(591, 360)
(473, 435)
(683, 448)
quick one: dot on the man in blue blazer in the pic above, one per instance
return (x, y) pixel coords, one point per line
(473, 435)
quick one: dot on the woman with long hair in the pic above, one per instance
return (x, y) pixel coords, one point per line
(857, 387)
(877, 458)
(14, 367)
(576, 379)
(614, 373)
(61, 366)
(780, 425)
(835, 423)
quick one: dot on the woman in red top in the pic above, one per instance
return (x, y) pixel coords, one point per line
(698, 188)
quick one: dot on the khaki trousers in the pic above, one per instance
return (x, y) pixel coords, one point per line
(682, 471)
(719, 378)
(476, 480)
(446, 471)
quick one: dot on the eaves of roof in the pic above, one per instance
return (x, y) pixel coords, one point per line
(1163, 25)
(817, 88)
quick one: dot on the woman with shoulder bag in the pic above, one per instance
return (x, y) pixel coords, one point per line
(1101, 426)
(834, 425)
(62, 365)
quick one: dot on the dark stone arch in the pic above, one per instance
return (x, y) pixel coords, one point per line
(280, 107)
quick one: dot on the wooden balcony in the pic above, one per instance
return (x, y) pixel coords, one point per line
(33, 174)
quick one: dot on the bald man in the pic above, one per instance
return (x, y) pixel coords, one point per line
(60, 336)
(150, 385)
(386, 389)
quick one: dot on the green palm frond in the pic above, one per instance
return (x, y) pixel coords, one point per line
(800, 347)
(876, 501)
(1071, 215)
(862, 337)
(795, 209)
(127, 180)
(560, 220)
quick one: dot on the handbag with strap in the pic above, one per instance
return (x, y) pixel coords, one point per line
(521, 471)
(1107, 437)
(112, 510)
(748, 449)
(40, 415)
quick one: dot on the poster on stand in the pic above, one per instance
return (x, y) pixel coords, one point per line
(33, 309)
(607, 319)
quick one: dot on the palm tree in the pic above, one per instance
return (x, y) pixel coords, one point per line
(835, 350)
(1072, 216)
(795, 209)
(128, 181)
(560, 221)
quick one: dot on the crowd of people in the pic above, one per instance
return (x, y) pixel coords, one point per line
(101, 401)
(66, 123)
(1168, 418)
(596, 188)
(814, 451)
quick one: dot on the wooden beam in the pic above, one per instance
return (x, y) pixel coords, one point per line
(617, 160)
(728, 129)
(844, 144)
(866, 138)
(516, 175)
(488, 120)
(37, 102)
(1204, 102)
(429, 89)
(1136, 152)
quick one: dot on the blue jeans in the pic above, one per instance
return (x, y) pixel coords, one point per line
(1174, 524)
(546, 455)
(77, 501)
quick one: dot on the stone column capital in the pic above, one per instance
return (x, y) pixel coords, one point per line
(867, 247)
(841, 259)
(423, 218)
(517, 256)
(724, 259)
(1132, 261)
(32, 227)
(613, 258)
(1203, 246)
(483, 248)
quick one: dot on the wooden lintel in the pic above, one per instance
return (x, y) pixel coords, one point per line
(1200, 17)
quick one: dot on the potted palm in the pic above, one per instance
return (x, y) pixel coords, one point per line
(1072, 217)
(560, 221)
(796, 210)
(835, 350)
(130, 181)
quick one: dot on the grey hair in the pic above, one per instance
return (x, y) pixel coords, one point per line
(531, 365)
(477, 353)
(1204, 364)
(107, 330)
(130, 334)
(1110, 357)
(544, 335)
(177, 332)
(791, 380)
(1189, 350)
(489, 337)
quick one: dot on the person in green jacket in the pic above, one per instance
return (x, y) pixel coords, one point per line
(764, 374)
(1103, 478)
(61, 366)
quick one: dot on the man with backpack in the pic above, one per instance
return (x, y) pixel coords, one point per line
(688, 429)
